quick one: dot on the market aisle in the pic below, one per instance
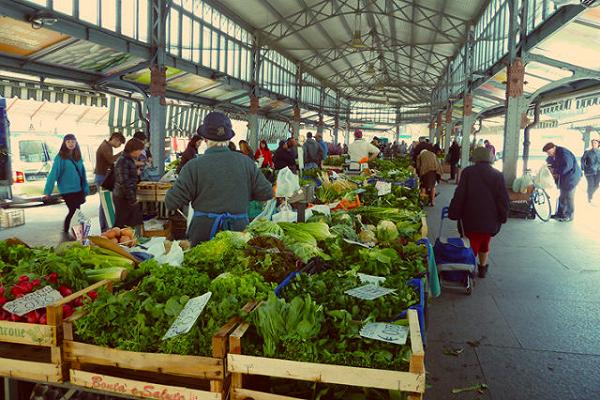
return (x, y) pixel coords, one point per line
(531, 328)
(43, 224)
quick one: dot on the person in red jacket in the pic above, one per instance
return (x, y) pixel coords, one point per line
(264, 152)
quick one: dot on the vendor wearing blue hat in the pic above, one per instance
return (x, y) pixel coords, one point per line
(220, 184)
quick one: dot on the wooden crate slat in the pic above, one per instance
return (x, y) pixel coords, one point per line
(140, 389)
(242, 394)
(326, 373)
(23, 333)
(173, 364)
(424, 228)
(38, 371)
(416, 340)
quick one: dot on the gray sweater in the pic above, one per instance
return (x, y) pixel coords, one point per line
(220, 181)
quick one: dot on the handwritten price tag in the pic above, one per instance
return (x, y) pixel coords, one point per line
(383, 188)
(375, 280)
(188, 316)
(396, 334)
(32, 301)
(369, 292)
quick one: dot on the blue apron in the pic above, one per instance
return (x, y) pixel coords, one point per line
(222, 221)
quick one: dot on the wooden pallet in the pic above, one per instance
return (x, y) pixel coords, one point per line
(240, 365)
(151, 375)
(33, 351)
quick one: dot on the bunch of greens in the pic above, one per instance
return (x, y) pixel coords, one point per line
(302, 238)
(320, 330)
(225, 252)
(137, 320)
(328, 289)
(271, 258)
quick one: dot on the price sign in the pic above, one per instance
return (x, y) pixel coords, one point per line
(366, 278)
(383, 188)
(188, 316)
(33, 301)
(396, 334)
(369, 292)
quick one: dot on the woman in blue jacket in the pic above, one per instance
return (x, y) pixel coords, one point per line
(69, 173)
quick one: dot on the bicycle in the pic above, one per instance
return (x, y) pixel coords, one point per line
(539, 201)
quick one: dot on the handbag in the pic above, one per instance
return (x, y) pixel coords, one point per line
(109, 181)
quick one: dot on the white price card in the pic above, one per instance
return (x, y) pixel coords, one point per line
(375, 280)
(369, 292)
(383, 188)
(33, 301)
(188, 316)
(396, 334)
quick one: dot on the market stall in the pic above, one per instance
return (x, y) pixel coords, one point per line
(339, 299)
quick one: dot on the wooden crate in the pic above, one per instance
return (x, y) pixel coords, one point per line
(161, 190)
(12, 218)
(166, 232)
(240, 365)
(151, 375)
(33, 351)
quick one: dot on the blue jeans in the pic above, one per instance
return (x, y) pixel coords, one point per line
(103, 223)
(310, 165)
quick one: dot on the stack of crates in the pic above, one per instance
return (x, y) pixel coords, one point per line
(11, 218)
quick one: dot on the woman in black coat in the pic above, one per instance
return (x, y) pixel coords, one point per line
(190, 151)
(481, 205)
(127, 209)
(283, 157)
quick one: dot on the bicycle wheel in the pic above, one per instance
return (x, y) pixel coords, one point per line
(541, 204)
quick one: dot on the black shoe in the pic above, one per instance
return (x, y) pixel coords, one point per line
(482, 270)
(556, 216)
(566, 219)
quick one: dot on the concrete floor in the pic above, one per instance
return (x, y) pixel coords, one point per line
(531, 329)
(43, 224)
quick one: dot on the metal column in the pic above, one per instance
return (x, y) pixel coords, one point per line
(514, 96)
(321, 102)
(432, 130)
(587, 136)
(449, 129)
(296, 122)
(398, 121)
(253, 122)
(347, 136)
(467, 127)
(439, 127)
(156, 103)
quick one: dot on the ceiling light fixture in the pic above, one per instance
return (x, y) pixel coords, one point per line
(357, 41)
(41, 19)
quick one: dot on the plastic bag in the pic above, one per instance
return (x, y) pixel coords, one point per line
(544, 179)
(287, 183)
(80, 227)
(521, 184)
(174, 257)
(268, 211)
(285, 214)
(170, 176)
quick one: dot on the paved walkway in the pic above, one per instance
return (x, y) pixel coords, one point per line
(531, 329)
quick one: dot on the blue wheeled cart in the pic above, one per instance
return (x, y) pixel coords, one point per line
(455, 260)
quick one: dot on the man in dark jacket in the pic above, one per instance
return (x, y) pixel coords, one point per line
(590, 163)
(283, 158)
(481, 205)
(566, 170)
(220, 184)
(313, 153)
(453, 158)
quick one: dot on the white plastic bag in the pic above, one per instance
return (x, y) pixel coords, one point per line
(287, 183)
(521, 184)
(267, 212)
(545, 179)
(285, 214)
(174, 257)
(170, 176)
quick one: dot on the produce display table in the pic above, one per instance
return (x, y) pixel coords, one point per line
(412, 381)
